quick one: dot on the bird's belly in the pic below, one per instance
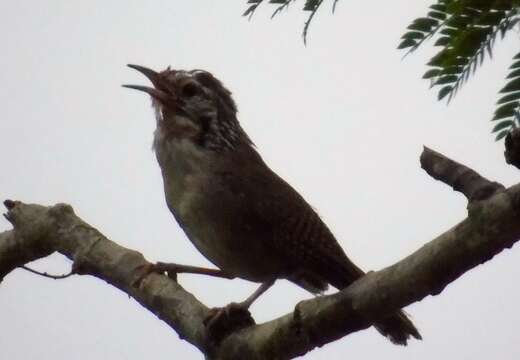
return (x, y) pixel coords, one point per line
(243, 263)
(232, 245)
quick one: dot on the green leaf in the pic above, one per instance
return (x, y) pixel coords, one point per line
(470, 41)
(491, 18)
(515, 65)
(431, 73)
(444, 91)
(516, 57)
(406, 43)
(437, 15)
(513, 74)
(416, 35)
(504, 111)
(448, 31)
(513, 85)
(502, 125)
(446, 79)
(457, 61)
(439, 59)
(502, 5)
(458, 22)
(311, 5)
(446, 57)
(450, 70)
(442, 41)
(508, 98)
(501, 135)
(250, 10)
(470, 12)
(477, 4)
(423, 24)
(438, 7)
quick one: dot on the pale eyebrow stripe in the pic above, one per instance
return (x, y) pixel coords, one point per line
(197, 71)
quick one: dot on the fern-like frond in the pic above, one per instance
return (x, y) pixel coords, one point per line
(423, 28)
(507, 113)
(254, 4)
(283, 5)
(466, 32)
(468, 53)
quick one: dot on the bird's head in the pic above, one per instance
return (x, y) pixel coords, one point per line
(193, 105)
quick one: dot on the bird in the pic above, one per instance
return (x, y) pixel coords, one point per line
(242, 216)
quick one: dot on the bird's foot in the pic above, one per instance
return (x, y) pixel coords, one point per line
(220, 322)
(159, 268)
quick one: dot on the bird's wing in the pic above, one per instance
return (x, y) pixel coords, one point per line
(296, 232)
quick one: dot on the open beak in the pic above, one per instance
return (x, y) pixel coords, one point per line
(160, 89)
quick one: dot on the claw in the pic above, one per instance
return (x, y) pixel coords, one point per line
(142, 271)
(222, 321)
(146, 269)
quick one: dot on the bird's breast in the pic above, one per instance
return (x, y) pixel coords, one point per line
(210, 223)
(211, 213)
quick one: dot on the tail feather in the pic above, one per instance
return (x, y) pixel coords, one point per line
(324, 261)
(398, 328)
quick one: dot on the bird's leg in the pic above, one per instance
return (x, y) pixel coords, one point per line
(173, 269)
(251, 298)
(220, 321)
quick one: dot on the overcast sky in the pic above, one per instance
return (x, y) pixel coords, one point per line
(343, 120)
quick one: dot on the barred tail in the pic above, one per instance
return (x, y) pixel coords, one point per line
(398, 328)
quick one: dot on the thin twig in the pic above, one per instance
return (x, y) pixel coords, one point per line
(44, 274)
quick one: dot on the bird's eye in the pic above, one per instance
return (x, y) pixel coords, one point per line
(190, 90)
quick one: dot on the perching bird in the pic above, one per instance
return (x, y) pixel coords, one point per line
(237, 212)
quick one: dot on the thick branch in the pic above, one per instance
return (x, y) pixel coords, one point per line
(39, 231)
(459, 177)
(512, 144)
(491, 226)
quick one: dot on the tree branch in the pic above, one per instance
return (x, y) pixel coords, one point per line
(40, 230)
(491, 226)
(459, 177)
(512, 145)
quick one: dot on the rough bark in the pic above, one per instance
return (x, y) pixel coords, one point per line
(491, 226)
(40, 230)
(459, 177)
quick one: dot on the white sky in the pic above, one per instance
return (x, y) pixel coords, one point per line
(343, 120)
